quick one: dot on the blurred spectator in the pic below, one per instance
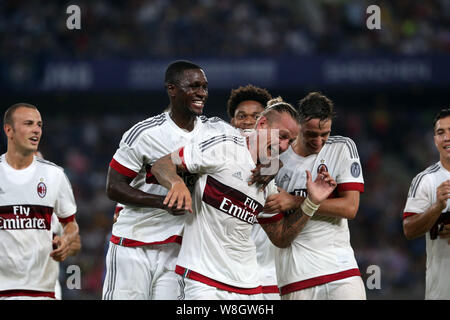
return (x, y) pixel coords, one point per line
(161, 28)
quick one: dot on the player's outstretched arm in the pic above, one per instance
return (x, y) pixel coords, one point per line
(284, 231)
(165, 171)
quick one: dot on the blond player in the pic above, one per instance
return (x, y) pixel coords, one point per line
(218, 257)
(244, 106)
(31, 189)
(427, 212)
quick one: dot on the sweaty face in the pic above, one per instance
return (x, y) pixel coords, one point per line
(442, 138)
(313, 135)
(191, 91)
(246, 114)
(26, 131)
(276, 135)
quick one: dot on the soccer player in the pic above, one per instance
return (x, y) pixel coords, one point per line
(427, 212)
(217, 259)
(146, 239)
(31, 189)
(315, 260)
(244, 106)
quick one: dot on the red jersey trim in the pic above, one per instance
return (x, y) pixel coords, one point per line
(408, 214)
(272, 219)
(270, 289)
(122, 169)
(133, 243)
(211, 282)
(67, 219)
(351, 186)
(26, 293)
(308, 283)
(181, 155)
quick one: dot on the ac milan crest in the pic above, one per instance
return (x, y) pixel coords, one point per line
(41, 189)
(322, 168)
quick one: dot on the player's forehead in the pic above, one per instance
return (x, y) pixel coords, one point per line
(286, 125)
(443, 123)
(193, 76)
(317, 125)
(249, 107)
(23, 113)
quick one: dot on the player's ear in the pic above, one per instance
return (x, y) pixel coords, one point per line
(261, 123)
(8, 129)
(170, 87)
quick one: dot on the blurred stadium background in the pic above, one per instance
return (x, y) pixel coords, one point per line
(93, 84)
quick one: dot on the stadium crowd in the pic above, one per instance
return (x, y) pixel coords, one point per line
(226, 28)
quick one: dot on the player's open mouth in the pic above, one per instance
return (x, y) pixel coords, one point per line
(198, 103)
(34, 139)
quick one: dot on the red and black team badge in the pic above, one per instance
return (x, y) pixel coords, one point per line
(41, 189)
(322, 168)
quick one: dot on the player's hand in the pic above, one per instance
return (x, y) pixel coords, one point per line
(262, 180)
(61, 249)
(174, 211)
(281, 202)
(321, 188)
(443, 194)
(178, 198)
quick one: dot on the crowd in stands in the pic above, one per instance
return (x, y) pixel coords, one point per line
(225, 28)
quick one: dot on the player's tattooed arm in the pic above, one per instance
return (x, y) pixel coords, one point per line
(165, 171)
(284, 231)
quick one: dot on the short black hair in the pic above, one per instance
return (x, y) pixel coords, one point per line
(444, 113)
(315, 106)
(249, 92)
(8, 116)
(176, 68)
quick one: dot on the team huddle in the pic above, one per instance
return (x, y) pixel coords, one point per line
(257, 208)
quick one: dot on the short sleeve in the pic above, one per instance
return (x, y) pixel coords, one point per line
(419, 196)
(349, 174)
(212, 154)
(129, 159)
(65, 205)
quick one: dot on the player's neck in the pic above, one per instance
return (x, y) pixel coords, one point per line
(183, 121)
(445, 163)
(18, 160)
(299, 150)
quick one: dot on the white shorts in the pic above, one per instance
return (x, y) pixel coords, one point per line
(351, 288)
(195, 290)
(141, 273)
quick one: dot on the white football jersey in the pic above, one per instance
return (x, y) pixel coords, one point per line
(28, 198)
(265, 254)
(321, 253)
(217, 246)
(139, 148)
(422, 194)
